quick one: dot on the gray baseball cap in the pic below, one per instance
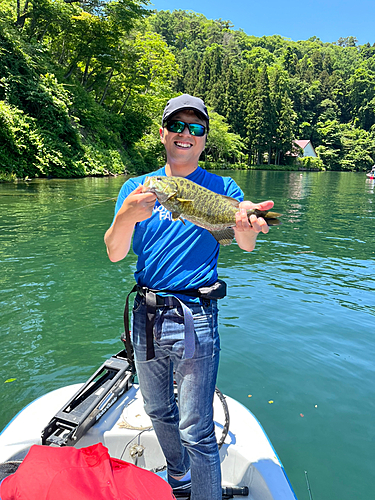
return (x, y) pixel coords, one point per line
(183, 102)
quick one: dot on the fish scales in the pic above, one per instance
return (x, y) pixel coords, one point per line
(197, 204)
(201, 206)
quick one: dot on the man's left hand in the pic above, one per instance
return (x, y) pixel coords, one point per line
(256, 224)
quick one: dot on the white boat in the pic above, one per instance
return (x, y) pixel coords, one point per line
(109, 409)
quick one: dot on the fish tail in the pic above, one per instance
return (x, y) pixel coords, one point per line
(270, 217)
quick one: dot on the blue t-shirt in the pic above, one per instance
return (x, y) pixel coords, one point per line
(173, 255)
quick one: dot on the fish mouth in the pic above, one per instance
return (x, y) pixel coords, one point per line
(157, 186)
(183, 145)
(148, 185)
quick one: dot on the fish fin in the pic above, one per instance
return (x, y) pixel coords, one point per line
(182, 200)
(265, 214)
(224, 236)
(232, 201)
(177, 216)
(273, 215)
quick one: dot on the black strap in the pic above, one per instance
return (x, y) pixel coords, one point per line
(151, 303)
(127, 340)
(150, 321)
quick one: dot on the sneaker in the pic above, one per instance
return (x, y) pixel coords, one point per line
(179, 486)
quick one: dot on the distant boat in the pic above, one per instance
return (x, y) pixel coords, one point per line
(109, 409)
(371, 174)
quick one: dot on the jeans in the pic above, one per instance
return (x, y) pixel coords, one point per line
(186, 432)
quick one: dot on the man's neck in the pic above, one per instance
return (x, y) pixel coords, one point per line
(179, 170)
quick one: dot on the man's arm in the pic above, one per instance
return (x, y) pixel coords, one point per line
(136, 207)
(246, 233)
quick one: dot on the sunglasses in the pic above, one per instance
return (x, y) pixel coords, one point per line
(195, 129)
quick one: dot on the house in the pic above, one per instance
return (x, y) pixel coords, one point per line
(307, 148)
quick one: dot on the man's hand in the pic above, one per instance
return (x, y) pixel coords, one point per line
(246, 232)
(257, 224)
(136, 207)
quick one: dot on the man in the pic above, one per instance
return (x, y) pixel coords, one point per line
(179, 259)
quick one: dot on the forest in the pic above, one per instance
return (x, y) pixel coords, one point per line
(83, 85)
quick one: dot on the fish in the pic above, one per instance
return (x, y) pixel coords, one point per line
(187, 200)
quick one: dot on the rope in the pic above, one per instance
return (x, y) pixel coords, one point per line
(223, 401)
(226, 414)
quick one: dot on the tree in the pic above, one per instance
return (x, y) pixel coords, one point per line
(284, 116)
(222, 145)
(260, 119)
(203, 83)
(349, 41)
(330, 148)
(362, 97)
(290, 61)
(358, 149)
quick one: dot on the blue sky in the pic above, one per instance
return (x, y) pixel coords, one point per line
(298, 20)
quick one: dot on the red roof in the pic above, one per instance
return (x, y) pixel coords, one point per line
(301, 143)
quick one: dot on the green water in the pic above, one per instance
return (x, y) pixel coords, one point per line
(297, 326)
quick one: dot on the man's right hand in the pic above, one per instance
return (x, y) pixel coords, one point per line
(137, 205)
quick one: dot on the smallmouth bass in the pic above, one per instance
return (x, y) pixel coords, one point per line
(204, 208)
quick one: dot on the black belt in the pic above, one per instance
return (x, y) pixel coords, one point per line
(153, 301)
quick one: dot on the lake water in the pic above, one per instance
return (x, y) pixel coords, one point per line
(297, 326)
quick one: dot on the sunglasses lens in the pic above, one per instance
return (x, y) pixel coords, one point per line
(196, 129)
(177, 127)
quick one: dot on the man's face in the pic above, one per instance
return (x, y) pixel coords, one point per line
(183, 147)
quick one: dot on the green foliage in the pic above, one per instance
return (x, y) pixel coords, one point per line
(28, 151)
(272, 90)
(311, 163)
(358, 149)
(222, 145)
(292, 166)
(77, 91)
(83, 86)
(330, 148)
(4, 177)
(147, 153)
(100, 161)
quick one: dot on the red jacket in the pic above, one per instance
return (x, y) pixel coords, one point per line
(81, 474)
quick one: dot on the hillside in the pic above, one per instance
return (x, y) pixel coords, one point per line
(83, 86)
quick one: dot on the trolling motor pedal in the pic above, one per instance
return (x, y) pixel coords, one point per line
(90, 403)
